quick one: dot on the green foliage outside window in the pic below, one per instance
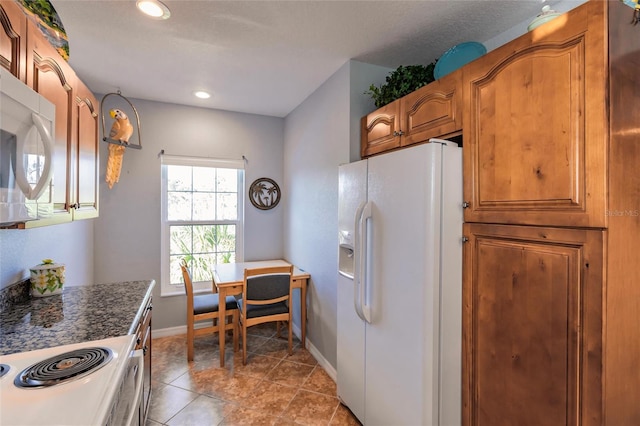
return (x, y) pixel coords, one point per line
(201, 246)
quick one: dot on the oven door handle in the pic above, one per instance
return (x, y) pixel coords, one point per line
(134, 415)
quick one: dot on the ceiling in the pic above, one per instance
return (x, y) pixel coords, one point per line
(265, 57)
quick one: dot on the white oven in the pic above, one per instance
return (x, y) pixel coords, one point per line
(91, 383)
(27, 123)
(127, 408)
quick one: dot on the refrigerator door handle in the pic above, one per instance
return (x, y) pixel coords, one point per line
(364, 287)
(357, 302)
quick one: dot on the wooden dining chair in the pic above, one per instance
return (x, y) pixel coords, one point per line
(266, 297)
(203, 307)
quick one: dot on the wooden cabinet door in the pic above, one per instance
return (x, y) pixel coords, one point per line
(380, 130)
(433, 110)
(85, 158)
(535, 145)
(532, 326)
(13, 24)
(51, 76)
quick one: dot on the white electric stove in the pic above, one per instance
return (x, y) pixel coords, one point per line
(90, 383)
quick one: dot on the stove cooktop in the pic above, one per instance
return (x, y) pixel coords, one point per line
(82, 400)
(63, 367)
(4, 369)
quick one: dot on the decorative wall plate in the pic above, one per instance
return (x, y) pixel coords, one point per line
(264, 193)
(459, 55)
(44, 15)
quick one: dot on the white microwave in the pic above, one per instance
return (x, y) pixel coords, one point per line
(27, 123)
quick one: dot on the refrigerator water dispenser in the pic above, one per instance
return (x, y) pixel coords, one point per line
(345, 261)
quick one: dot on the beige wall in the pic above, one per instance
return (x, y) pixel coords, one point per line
(70, 244)
(127, 233)
(320, 134)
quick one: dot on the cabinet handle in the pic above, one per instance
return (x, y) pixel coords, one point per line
(145, 349)
(138, 341)
(74, 206)
(398, 133)
(465, 204)
(465, 239)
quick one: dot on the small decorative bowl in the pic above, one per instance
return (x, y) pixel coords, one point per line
(545, 16)
(47, 279)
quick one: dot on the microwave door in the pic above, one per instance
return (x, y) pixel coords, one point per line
(12, 200)
(7, 160)
(33, 168)
(27, 123)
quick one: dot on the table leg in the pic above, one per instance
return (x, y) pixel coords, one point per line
(222, 306)
(303, 312)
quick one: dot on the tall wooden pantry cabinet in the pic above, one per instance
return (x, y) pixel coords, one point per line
(551, 287)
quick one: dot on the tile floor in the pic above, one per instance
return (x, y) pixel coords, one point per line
(272, 389)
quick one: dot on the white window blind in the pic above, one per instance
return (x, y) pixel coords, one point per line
(183, 160)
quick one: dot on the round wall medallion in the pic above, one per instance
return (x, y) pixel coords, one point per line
(264, 193)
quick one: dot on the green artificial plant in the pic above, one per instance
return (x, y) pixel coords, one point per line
(402, 81)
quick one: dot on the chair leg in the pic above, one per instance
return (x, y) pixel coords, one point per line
(244, 341)
(190, 336)
(290, 335)
(235, 330)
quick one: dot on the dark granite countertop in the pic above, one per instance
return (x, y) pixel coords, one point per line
(77, 315)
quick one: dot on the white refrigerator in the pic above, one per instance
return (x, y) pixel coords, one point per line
(400, 286)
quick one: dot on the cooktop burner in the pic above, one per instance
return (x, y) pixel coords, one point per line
(63, 367)
(4, 369)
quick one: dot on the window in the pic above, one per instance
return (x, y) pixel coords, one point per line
(202, 212)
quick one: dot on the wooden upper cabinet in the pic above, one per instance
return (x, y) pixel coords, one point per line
(433, 110)
(13, 38)
(27, 54)
(380, 130)
(535, 145)
(85, 145)
(532, 321)
(53, 78)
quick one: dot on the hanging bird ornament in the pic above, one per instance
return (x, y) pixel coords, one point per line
(121, 130)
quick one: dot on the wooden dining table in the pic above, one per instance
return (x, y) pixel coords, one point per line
(228, 279)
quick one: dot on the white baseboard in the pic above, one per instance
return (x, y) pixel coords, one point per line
(171, 331)
(318, 356)
(331, 371)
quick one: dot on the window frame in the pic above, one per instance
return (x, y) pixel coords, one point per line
(166, 287)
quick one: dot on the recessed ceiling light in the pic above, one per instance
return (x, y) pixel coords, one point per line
(202, 94)
(154, 8)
